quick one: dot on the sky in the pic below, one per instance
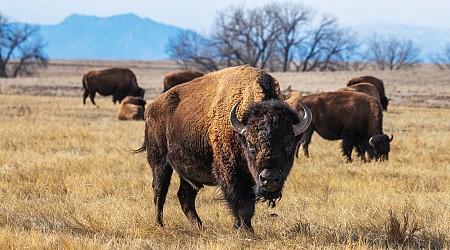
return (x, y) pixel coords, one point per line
(199, 15)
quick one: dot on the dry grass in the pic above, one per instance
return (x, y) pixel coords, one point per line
(68, 180)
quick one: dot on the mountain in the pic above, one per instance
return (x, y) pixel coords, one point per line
(131, 37)
(117, 37)
(430, 41)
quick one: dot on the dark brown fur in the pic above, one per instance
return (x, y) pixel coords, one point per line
(377, 83)
(118, 82)
(179, 77)
(131, 108)
(187, 129)
(364, 87)
(351, 116)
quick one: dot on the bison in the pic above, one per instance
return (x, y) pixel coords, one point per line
(377, 83)
(131, 108)
(354, 117)
(363, 87)
(230, 129)
(179, 77)
(118, 82)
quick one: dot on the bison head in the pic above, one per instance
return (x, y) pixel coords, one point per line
(381, 146)
(139, 92)
(268, 134)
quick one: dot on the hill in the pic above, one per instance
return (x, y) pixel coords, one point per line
(117, 37)
(131, 37)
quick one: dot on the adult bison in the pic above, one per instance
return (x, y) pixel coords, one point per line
(354, 117)
(131, 108)
(179, 77)
(363, 87)
(118, 82)
(230, 129)
(377, 83)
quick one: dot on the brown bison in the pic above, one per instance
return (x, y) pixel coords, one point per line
(179, 77)
(131, 108)
(363, 87)
(354, 117)
(377, 83)
(118, 82)
(230, 129)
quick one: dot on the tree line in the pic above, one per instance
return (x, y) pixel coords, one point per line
(286, 36)
(290, 36)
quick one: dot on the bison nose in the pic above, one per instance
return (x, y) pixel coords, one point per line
(270, 179)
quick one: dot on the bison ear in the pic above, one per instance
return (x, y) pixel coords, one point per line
(238, 126)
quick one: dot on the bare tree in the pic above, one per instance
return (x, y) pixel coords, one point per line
(325, 46)
(246, 36)
(392, 53)
(193, 51)
(21, 49)
(442, 60)
(293, 18)
(273, 37)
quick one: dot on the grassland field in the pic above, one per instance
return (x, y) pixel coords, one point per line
(69, 181)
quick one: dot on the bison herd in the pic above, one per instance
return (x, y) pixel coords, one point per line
(235, 129)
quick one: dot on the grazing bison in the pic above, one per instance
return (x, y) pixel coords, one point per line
(131, 108)
(354, 117)
(363, 87)
(237, 134)
(179, 77)
(377, 83)
(118, 82)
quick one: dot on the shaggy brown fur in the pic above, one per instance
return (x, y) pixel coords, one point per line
(118, 82)
(188, 129)
(131, 108)
(364, 87)
(179, 77)
(377, 83)
(351, 116)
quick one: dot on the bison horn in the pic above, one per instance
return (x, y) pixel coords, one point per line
(392, 137)
(371, 142)
(306, 120)
(238, 126)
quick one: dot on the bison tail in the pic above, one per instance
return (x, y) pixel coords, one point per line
(83, 82)
(141, 149)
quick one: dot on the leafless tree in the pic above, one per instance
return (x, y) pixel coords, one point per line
(294, 19)
(192, 50)
(391, 53)
(326, 45)
(442, 60)
(246, 36)
(275, 36)
(21, 49)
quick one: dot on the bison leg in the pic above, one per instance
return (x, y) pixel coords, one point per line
(361, 151)
(241, 203)
(347, 148)
(186, 196)
(305, 140)
(85, 95)
(92, 96)
(160, 184)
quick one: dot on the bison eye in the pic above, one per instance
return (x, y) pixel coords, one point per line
(251, 148)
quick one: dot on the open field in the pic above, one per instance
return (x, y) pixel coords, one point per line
(68, 179)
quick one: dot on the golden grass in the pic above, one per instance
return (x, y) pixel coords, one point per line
(68, 180)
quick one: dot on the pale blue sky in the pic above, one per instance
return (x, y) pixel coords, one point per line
(199, 15)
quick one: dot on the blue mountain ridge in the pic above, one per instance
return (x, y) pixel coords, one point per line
(117, 37)
(129, 36)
